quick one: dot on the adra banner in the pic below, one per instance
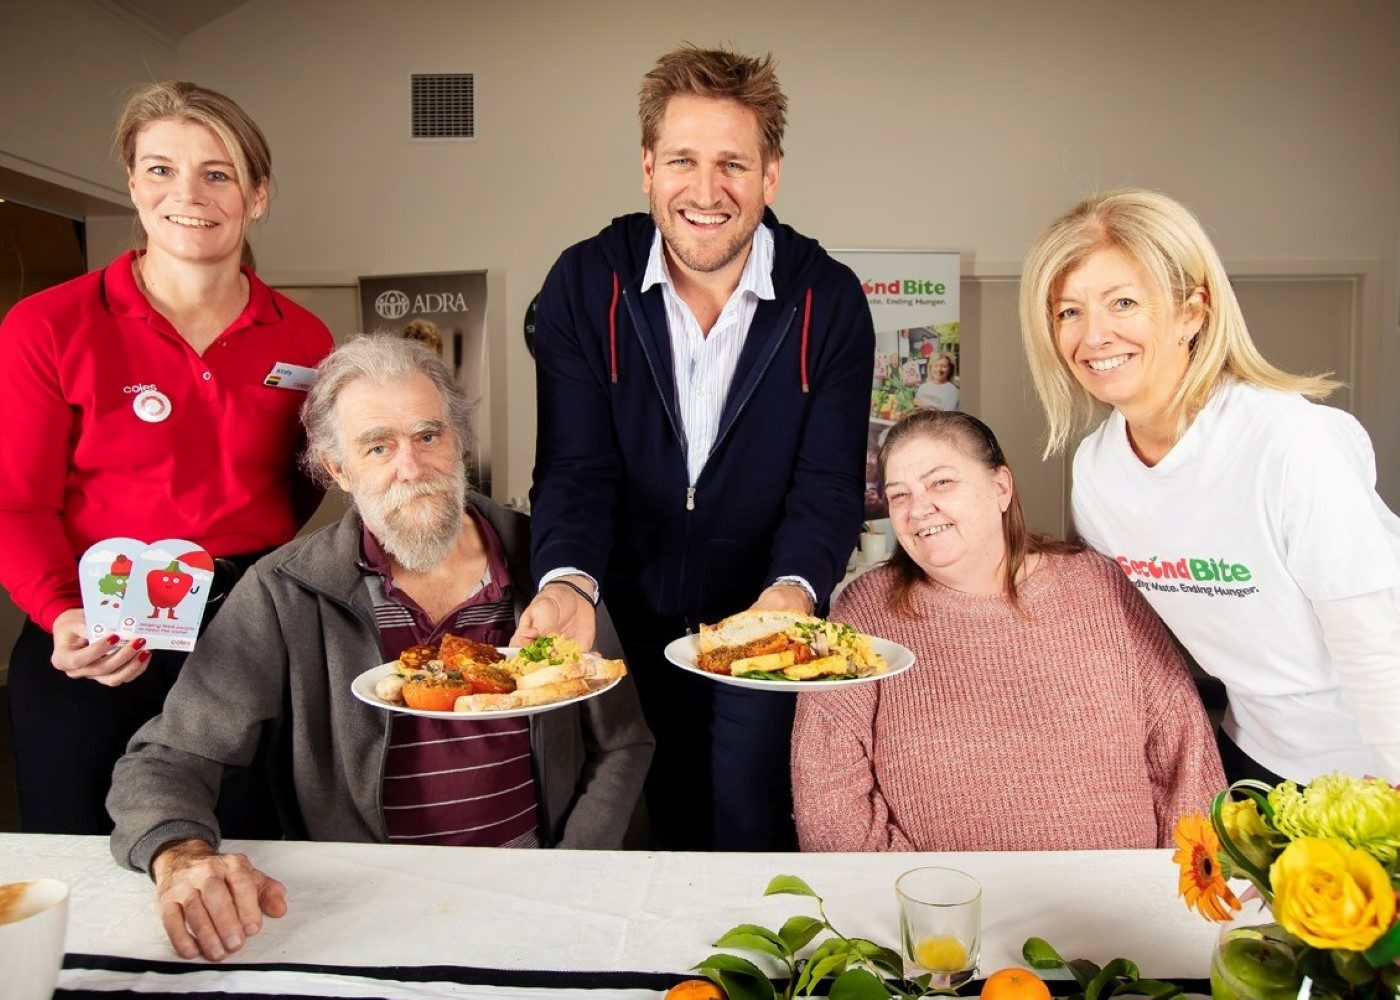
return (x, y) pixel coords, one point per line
(452, 305)
(913, 296)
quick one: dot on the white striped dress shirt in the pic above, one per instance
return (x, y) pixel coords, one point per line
(705, 364)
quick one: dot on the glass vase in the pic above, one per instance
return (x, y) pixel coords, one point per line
(1258, 962)
(1265, 962)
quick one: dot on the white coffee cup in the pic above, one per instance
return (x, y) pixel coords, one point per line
(874, 547)
(33, 929)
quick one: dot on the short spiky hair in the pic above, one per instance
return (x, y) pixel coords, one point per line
(718, 73)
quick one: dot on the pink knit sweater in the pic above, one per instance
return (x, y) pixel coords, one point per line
(1075, 727)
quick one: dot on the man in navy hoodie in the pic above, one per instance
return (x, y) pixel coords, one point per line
(703, 379)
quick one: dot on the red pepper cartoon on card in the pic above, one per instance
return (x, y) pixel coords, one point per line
(166, 588)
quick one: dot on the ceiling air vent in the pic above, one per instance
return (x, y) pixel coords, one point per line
(444, 106)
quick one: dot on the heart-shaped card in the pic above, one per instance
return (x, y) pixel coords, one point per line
(156, 591)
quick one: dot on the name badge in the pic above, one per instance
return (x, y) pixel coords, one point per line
(287, 376)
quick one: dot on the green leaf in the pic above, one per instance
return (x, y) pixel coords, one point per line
(1155, 988)
(1040, 955)
(1095, 987)
(1121, 968)
(831, 965)
(884, 958)
(789, 885)
(1352, 966)
(751, 937)
(808, 978)
(738, 977)
(858, 984)
(737, 987)
(1386, 948)
(1083, 970)
(798, 931)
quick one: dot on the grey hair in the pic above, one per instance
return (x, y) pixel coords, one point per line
(380, 359)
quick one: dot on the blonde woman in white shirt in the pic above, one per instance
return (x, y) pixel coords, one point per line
(1243, 511)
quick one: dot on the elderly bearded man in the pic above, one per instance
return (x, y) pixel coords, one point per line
(409, 562)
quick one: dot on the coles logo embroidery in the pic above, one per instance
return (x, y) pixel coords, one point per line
(150, 404)
(1215, 577)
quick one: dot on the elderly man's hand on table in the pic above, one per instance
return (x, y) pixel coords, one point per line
(211, 903)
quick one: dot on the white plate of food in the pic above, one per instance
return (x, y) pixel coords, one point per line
(460, 685)
(765, 651)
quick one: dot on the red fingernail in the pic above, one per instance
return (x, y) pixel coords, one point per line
(138, 643)
(112, 640)
(143, 657)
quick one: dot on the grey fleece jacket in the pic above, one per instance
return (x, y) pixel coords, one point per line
(277, 662)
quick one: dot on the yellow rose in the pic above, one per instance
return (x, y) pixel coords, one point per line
(1245, 827)
(1331, 895)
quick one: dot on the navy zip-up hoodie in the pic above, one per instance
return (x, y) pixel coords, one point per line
(782, 490)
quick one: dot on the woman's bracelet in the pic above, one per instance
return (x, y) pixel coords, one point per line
(590, 598)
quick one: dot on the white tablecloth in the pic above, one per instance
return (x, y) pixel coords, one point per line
(356, 905)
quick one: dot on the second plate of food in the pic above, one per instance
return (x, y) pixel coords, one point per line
(685, 653)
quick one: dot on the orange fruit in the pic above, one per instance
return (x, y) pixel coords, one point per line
(695, 989)
(1015, 984)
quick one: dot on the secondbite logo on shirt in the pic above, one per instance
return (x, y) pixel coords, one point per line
(1194, 575)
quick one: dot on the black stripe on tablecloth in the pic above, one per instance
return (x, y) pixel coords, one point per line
(465, 975)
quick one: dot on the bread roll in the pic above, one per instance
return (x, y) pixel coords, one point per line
(592, 668)
(523, 698)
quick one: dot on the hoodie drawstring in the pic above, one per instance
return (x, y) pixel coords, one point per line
(806, 325)
(612, 329)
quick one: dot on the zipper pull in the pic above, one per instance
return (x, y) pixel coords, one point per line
(690, 498)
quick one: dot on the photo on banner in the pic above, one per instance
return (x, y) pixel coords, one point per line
(913, 296)
(454, 305)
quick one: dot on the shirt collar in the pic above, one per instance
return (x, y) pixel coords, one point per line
(124, 297)
(758, 269)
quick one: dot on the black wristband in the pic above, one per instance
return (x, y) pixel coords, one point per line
(590, 598)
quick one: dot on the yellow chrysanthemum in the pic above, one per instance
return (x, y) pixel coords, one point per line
(1331, 895)
(1201, 884)
(1362, 812)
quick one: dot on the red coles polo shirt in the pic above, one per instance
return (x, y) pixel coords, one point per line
(78, 463)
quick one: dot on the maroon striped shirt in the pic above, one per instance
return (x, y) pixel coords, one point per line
(447, 781)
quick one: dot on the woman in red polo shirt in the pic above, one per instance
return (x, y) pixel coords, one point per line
(140, 405)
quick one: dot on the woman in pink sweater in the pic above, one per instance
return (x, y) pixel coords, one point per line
(1048, 708)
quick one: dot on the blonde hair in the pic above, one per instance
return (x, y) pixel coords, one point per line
(1169, 243)
(720, 74)
(183, 101)
(425, 331)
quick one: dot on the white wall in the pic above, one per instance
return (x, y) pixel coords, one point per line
(957, 124)
(66, 68)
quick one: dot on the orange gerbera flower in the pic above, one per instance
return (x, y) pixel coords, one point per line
(1201, 884)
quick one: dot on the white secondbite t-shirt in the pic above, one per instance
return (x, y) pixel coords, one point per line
(1267, 504)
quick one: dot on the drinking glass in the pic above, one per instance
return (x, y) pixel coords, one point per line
(940, 924)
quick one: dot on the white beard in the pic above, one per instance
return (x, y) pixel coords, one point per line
(416, 523)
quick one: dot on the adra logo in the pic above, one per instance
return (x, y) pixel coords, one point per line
(1201, 570)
